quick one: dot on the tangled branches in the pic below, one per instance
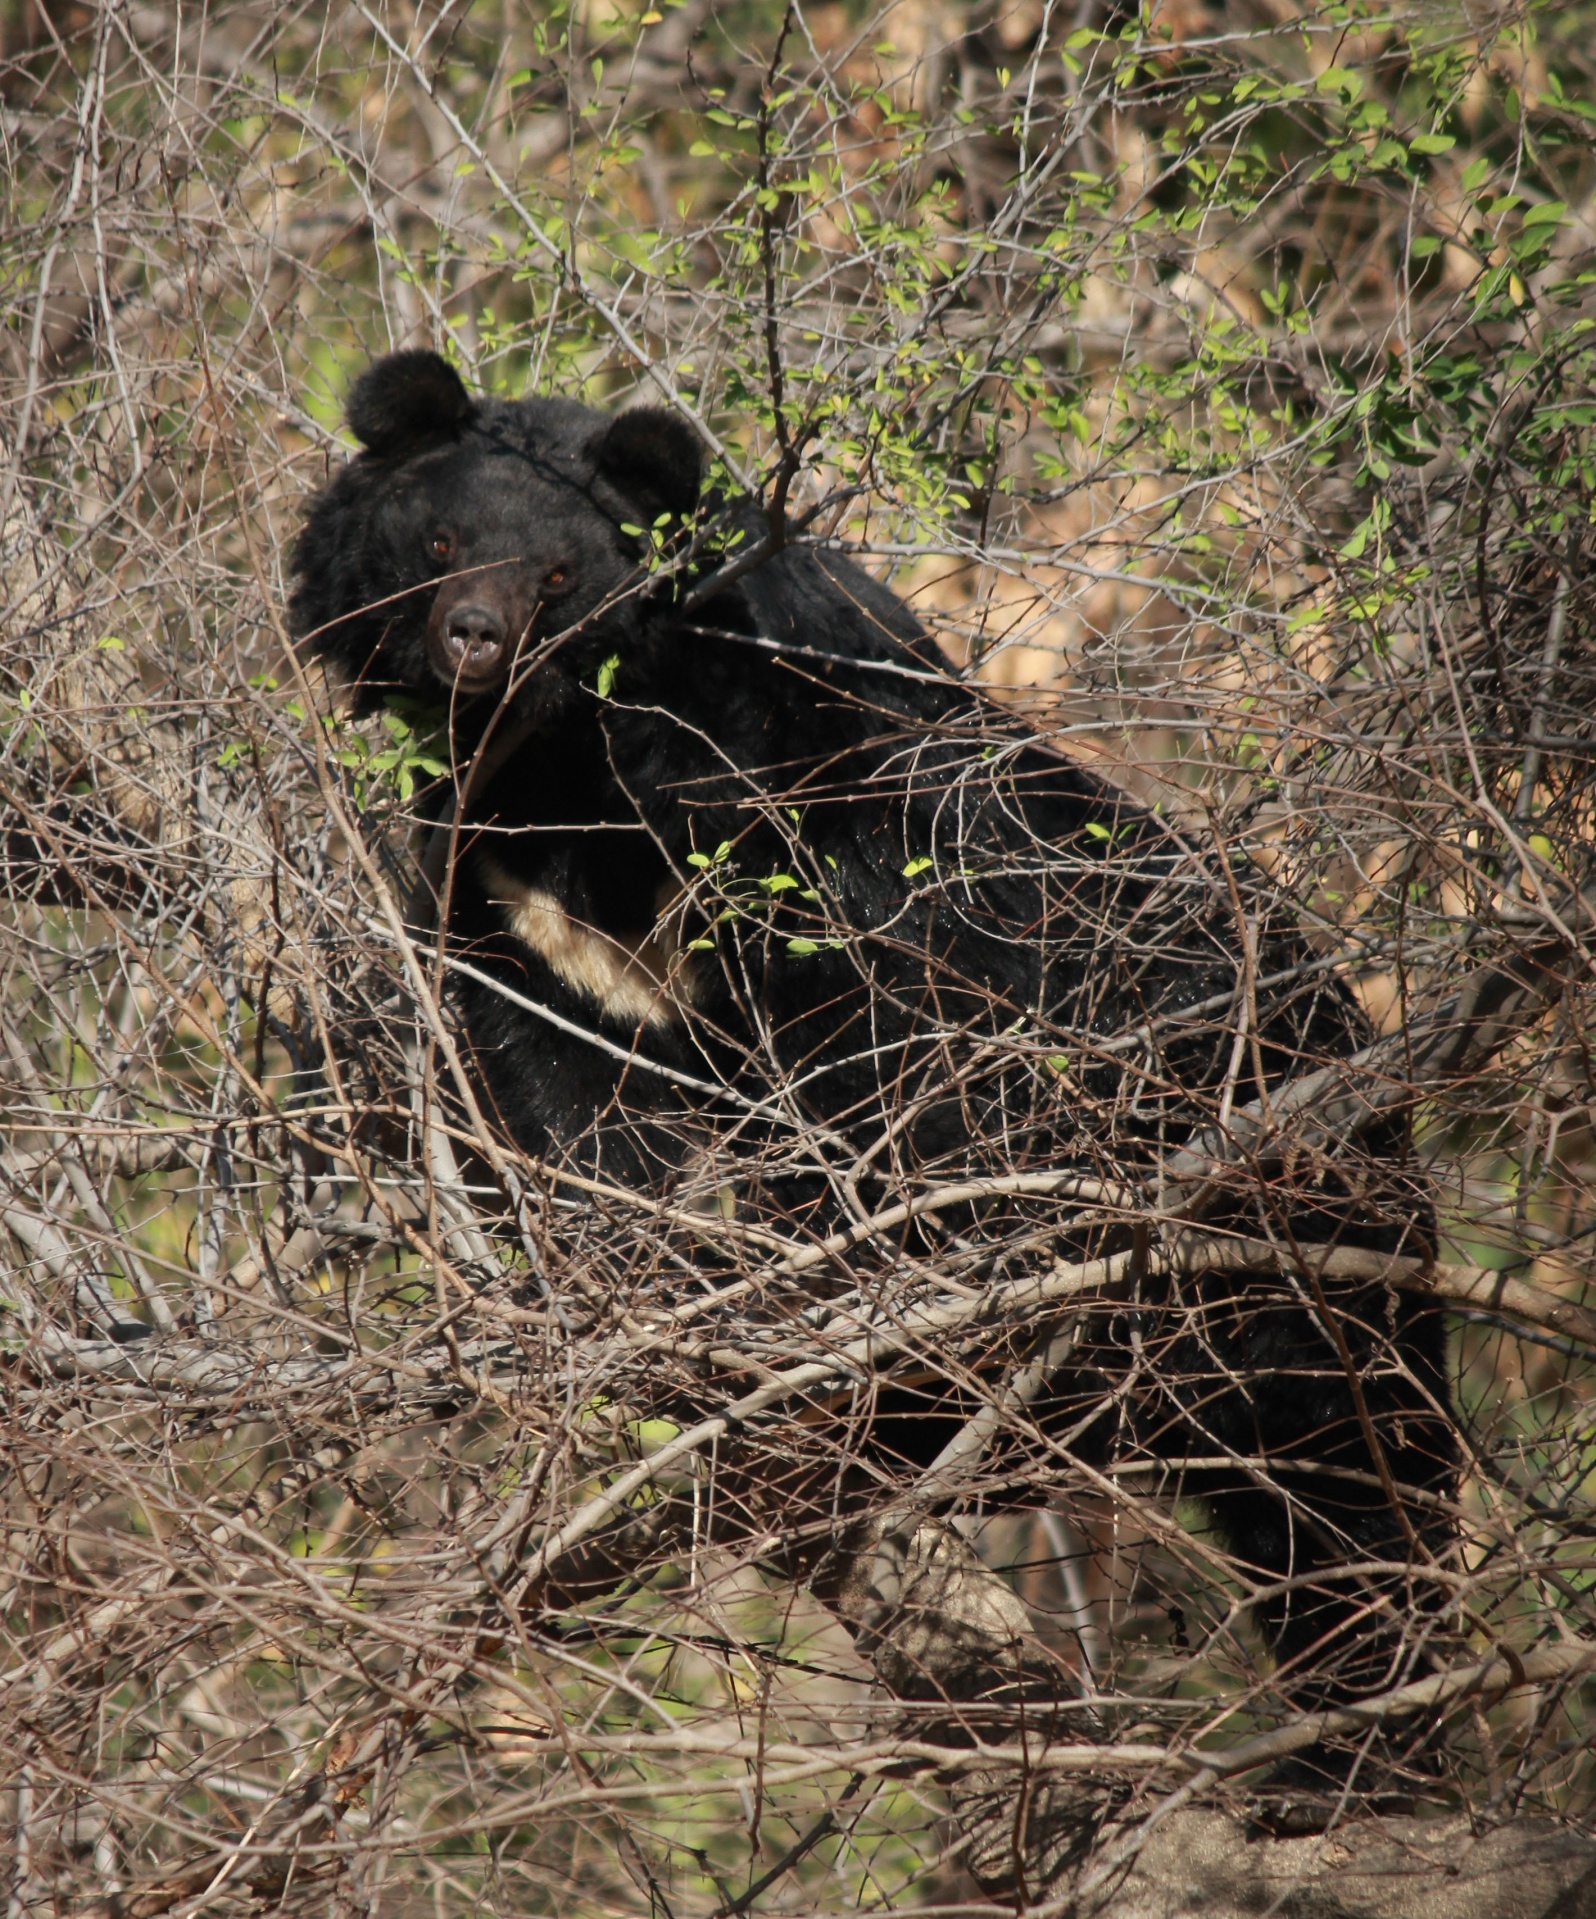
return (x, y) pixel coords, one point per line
(402, 1513)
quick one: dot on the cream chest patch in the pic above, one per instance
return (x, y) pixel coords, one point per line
(643, 983)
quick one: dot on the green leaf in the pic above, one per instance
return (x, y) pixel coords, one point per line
(1340, 80)
(916, 867)
(800, 949)
(1432, 143)
(606, 675)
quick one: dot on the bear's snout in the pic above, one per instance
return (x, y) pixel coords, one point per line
(473, 642)
(478, 621)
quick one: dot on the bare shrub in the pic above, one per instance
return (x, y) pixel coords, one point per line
(396, 1522)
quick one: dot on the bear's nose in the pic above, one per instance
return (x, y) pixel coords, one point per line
(473, 638)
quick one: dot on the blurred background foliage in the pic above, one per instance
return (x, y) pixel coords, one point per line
(1214, 379)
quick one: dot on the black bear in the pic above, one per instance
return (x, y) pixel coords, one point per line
(764, 906)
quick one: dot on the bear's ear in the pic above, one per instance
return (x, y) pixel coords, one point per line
(407, 402)
(653, 457)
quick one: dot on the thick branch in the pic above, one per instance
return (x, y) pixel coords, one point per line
(1331, 1107)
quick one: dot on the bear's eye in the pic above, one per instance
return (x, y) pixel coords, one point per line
(441, 546)
(557, 577)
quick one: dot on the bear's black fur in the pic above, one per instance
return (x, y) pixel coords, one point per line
(765, 898)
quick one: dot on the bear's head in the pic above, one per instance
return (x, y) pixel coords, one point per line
(478, 547)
